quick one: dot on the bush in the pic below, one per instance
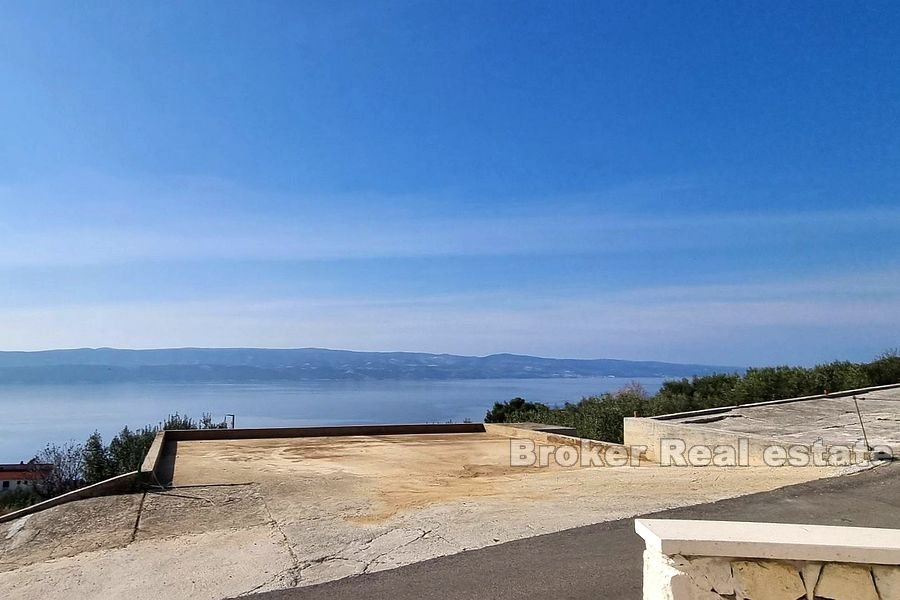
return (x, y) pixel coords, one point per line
(885, 369)
(17, 499)
(76, 465)
(98, 464)
(517, 410)
(68, 468)
(602, 417)
(177, 421)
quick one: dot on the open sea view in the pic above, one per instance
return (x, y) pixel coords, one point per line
(38, 414)
(361, 228)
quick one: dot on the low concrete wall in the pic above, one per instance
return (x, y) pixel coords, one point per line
(120, 484)
(548, 436)
(344, 430)
(151, 460)
(710, 560)
(531, 432)
(557, 429)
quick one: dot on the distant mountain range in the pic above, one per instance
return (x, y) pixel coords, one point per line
(206, 365)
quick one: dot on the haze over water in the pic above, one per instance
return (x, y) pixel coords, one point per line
(38, 414)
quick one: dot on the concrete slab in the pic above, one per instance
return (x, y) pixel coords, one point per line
(316, 509)
(833, 420)
(604, 561)
(68, 530)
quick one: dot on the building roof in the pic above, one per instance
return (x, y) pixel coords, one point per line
(24, 471)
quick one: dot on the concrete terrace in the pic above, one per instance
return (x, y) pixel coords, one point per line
(604, 561)
(244, 513)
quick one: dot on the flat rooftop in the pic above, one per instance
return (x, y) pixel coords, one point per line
(249, 515)
(569, 565)
(832, 419)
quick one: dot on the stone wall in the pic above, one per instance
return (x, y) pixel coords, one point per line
(713, 578)
(715, 560)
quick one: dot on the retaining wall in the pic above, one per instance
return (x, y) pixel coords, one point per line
(710, 560)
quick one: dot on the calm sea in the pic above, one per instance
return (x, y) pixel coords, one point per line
(34, 415)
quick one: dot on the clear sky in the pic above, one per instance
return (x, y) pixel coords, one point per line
(689, 181)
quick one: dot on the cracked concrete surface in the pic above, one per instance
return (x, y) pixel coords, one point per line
(833, 421)
(248, 516)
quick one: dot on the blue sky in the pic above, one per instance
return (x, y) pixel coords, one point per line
(705, 181)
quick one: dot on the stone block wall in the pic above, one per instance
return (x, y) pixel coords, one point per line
(677, 577)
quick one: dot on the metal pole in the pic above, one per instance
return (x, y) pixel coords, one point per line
(861, 426)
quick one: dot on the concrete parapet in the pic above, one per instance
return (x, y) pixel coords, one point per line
(342, 430)
(549, 435)
(151, 460)
(115, 485)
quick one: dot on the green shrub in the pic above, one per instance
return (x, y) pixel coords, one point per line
(885, 369)
(517, 410)
(17, 499)
(602, 417)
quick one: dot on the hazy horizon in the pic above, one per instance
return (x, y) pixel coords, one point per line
(201, 347)
(414, 351)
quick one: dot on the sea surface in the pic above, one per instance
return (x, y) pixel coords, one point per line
(34, 415)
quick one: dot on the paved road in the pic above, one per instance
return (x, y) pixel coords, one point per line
(604, 561)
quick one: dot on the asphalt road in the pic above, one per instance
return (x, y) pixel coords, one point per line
(604, 561)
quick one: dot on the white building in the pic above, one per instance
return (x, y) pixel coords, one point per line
(22, 475)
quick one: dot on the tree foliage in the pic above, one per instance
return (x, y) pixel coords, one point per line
(97, 460)
(18, 498)
(885, 369)
(126, 451)
(506, 412)
(68, 468)
(601, 417)
(76, 465)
